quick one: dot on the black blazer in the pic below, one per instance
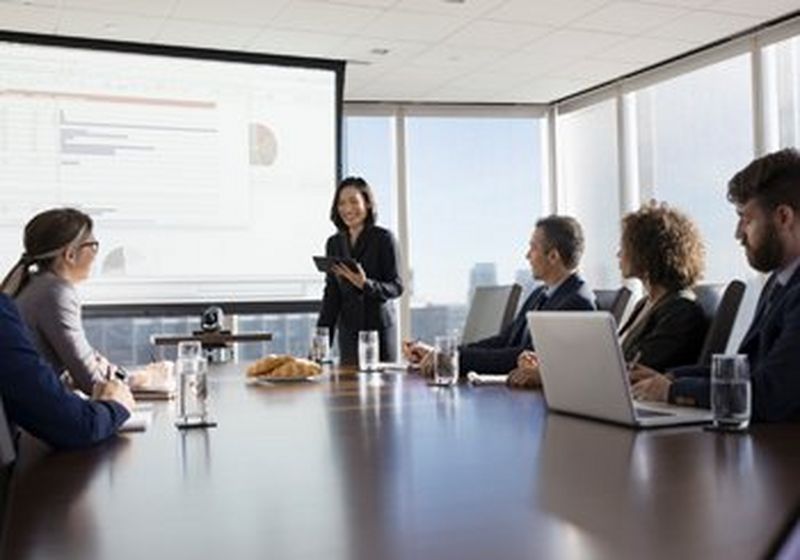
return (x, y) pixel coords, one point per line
(771, 345)
(350, 309)
(498, 354)
(671, 334)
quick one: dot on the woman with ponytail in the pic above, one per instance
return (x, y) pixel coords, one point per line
(60, 249)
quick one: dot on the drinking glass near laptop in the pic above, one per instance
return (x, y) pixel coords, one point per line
(730, 391)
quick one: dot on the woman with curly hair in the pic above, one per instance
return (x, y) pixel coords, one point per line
(662, 247)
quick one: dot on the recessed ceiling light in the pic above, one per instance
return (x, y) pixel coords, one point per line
(381, 51)
(454, 1)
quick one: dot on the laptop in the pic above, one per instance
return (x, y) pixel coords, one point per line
(584, 373)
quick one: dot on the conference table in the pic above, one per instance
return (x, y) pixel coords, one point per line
(383, 466)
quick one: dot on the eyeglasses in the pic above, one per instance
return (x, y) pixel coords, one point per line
(94, 245)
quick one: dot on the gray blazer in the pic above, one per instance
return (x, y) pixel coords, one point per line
(50, 307)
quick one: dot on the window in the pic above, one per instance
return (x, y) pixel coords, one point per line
(474, 195)
(782, 75)
(588, 180)
(690, 145)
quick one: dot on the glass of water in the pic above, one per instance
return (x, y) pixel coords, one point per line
(368, 350)
(192, 376)
(730, 391)
(321, 345)
(445, 360)
(190, 350)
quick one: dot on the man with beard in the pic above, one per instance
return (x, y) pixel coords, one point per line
(766, 194)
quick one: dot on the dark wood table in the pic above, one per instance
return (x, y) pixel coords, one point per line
(385, 467)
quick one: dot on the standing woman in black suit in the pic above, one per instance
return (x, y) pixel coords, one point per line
(359, 298)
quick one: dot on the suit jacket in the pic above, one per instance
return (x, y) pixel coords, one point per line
(671, 334)
(350, 309)
(771, 345)
(498, 354)
(37, 401)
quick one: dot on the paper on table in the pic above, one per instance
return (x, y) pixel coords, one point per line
(161, 383)
(486, 379)
(139, 420)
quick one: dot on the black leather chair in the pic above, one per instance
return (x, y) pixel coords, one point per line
(613, 301)
(491, 309)
(7, 457)
(720, 304)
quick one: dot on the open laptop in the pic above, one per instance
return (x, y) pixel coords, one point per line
(583, 371)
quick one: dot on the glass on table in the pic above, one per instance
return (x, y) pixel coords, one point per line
(368, 351)
(192, 376)
(321, 345)
(189, 350)
(730, 391)
(445, 360)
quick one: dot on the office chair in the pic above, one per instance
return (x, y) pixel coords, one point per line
(492, 308)
(720, 304)
(613, 301)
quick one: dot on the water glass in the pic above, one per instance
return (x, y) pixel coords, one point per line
(321, 345)
(445, 360)
(192, 391)
(190, 350)
(730, 391)
(368, 350)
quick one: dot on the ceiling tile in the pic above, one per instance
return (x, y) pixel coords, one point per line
(704, 27)
(199, 34)
(299, 43)
(368, 3)
(325, 17)
(379, 51)
(645, 50)
(468, 9)
(254, 12)
(28, 18)
(545, 90)
(497, 34)
(627, 17)
(122, 27)
(140, 7)
(763, 8)
(569, 43)
(596, 71)
(544, 12)
(412, 26)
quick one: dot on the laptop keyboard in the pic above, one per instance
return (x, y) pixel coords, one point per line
(646, 412)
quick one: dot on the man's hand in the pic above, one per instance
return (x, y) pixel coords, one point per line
(114, 390)
(527, 360)
(524, 378)
(426, 365)
(415, 352)
(652, 388)
(638, 372)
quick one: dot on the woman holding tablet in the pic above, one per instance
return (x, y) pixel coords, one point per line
(359, 289)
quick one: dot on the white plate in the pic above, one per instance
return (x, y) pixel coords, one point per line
(265, 379)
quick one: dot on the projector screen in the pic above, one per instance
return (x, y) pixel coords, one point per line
(209, 175)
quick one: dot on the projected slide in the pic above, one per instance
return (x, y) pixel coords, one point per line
(205, 178)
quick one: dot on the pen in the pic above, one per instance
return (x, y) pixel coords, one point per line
(635, 360)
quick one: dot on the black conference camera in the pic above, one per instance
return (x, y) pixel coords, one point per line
(211, 319)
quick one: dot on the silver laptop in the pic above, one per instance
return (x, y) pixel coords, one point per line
(584, 372)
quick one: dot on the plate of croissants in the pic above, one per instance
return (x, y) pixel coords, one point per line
(282, 368)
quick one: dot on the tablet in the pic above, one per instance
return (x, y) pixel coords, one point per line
(325, 264)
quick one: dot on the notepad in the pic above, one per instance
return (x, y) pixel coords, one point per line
(139, 420)
(486, 379)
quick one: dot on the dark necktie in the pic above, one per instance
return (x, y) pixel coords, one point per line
(541, 301)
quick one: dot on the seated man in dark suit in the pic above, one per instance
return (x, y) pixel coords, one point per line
(554, 252)
(37, 401)
(767, 198)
